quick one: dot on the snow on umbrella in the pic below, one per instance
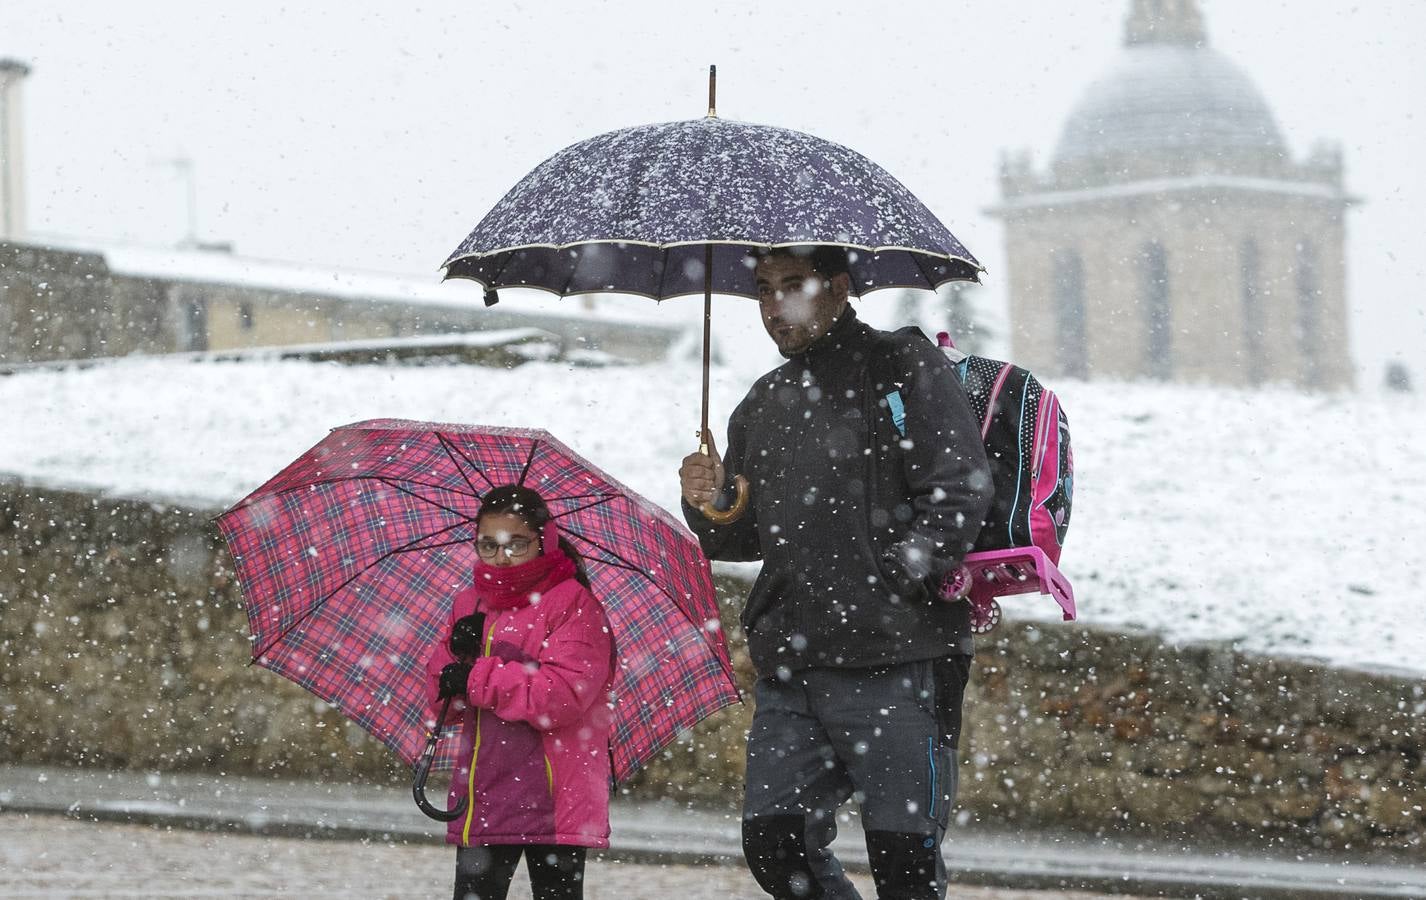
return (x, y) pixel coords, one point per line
(636, 211)
(675, 208)
(350, 556)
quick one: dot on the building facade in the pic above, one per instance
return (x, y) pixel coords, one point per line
(78, 303)
(1173, 236)
(12, 183)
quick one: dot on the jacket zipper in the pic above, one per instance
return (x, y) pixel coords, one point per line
(474, 755)
(795, 624)
(470, 784)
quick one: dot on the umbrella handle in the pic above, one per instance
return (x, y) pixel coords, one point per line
(733, 513)
(423, 769)
(740, 502)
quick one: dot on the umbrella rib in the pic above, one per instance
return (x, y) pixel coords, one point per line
(663, 272)
(701, 631)
(529, 461)
(606, 498)
(573, 271)
(495, 277)
(334, 591)
(451, 450)
(624, 564)
(920, 267)
(619, 564)
(385, 479)
(414, 549)
(441, 506)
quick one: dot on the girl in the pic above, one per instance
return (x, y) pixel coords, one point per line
(530, 654)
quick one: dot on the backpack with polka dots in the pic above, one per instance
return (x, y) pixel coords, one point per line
(1027, 441)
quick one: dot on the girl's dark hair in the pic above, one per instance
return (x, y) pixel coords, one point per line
(529, 507)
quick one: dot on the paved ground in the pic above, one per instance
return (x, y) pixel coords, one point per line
(48, 856)
(375, 833)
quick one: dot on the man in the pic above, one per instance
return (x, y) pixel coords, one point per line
(869, 482)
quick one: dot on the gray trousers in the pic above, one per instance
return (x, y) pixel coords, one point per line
(884, 738)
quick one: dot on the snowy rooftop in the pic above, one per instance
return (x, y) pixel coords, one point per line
(1282, 522)
(219, 267)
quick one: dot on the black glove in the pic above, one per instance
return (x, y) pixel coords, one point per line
(900, 578)
(466, 636)
(453, 680)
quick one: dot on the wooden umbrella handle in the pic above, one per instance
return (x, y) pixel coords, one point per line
(740, 501)
(733, 513)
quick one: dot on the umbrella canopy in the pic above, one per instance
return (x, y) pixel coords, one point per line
(349, 559)
(632, 210)
(676, 208)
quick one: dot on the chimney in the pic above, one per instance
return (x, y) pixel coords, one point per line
(12, 162)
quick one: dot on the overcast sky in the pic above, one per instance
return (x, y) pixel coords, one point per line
(375, 135)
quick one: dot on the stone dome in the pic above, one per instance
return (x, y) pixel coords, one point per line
(1191, 101)
(1169, 97)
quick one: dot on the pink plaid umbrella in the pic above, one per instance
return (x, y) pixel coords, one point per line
(349, 559)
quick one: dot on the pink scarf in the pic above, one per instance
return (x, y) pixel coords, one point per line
(511, 587)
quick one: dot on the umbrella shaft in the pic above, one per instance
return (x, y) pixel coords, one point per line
(707, 331)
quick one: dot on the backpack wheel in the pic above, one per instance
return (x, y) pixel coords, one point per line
(956, 584)
(984, 617)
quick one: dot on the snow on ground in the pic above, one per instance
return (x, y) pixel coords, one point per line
(55, 857)
(1281, 522)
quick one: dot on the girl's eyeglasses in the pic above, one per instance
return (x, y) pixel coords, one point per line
(489, 547)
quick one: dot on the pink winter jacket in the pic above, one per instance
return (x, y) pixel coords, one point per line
(534, 751)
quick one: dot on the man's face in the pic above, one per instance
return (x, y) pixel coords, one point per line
(798, 306)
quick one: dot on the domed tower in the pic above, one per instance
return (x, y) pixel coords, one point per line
(1173, 235)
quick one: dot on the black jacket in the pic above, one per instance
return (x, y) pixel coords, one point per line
(836, 487)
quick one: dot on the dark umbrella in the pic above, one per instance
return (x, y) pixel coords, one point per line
(674, 209)
(349, 558)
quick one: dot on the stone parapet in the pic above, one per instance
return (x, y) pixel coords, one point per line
(123, 644)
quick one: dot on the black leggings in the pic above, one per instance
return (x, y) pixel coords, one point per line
(484, 873)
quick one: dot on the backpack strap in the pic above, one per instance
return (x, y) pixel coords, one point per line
(884, 379)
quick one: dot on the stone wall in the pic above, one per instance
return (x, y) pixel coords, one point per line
(1093, 728)
(123, 643)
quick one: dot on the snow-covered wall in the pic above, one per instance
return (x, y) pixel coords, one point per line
(1279, 522)
(123, 644)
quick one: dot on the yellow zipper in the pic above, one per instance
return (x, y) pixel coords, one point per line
(475, 755)
(470, 784)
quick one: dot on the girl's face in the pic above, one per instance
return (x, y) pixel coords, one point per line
(505, 540)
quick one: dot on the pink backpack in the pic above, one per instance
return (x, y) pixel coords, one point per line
(1027, 441)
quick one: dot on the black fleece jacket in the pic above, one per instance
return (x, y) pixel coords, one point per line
(853, 519)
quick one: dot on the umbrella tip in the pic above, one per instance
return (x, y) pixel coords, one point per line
(491, 298)
(712, 92)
